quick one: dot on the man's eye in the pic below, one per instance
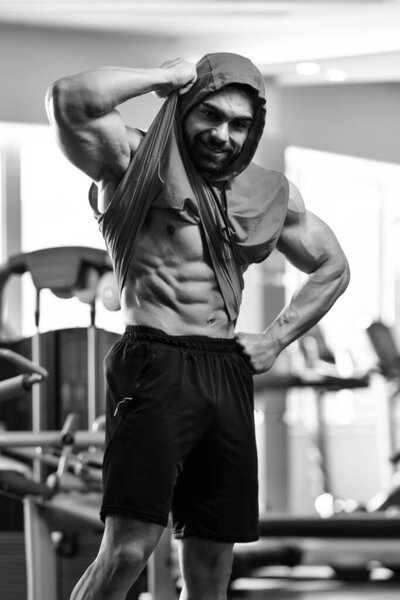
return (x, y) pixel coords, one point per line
(209, 114)
(241, 125)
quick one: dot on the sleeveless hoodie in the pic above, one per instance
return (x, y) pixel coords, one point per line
(161, 174)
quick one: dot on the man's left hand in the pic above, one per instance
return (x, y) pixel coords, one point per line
(259, 349)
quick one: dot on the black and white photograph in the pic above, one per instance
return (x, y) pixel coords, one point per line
(199, 299)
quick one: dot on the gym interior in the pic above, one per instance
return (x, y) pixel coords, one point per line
(327, 414)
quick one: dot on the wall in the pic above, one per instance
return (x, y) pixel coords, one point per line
(360, 120)
(32, 58)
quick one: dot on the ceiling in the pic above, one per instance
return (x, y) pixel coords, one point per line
(348, 40)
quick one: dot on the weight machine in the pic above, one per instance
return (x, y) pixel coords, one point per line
(69, 500)
(347, 541)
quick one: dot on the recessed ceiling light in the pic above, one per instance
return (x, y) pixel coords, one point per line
(307, 68)
(336, 75)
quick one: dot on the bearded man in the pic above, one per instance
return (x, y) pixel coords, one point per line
(184, 212)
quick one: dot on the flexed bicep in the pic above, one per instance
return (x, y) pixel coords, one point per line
(94, 145)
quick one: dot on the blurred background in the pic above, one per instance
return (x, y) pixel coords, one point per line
(332, 72)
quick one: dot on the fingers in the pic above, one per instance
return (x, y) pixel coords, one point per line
(252, 351)
(242, 348)
(181, 74)
(186, 88)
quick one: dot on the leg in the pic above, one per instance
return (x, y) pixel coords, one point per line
(126, 546)
(206, 568)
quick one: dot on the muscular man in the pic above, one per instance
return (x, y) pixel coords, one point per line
(184, 211)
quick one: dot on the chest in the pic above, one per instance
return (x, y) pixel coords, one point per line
(170, 235)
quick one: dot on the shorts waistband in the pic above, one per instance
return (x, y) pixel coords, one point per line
(190, 342)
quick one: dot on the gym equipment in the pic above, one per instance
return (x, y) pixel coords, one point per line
(384, 344)
(20, 383)
(320, 374)
(12, 471)
(69, 500)
(64, 353)
(348, 542)
(67, 271)
(351, 544)
(63, 503)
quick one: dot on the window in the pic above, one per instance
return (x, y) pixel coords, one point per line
(357, 198)
(54, 212)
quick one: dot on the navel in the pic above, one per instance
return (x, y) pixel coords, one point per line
(170, 229)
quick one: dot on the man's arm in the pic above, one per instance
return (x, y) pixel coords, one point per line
(82, 111)
(310, 245)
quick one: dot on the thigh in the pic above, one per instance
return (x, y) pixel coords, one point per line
(235, 460)
(157, 412)
(139, 459)
(216, 497)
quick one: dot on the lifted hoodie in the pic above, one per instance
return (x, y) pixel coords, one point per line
(161, 174)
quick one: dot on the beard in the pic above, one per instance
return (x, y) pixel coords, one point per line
(210, 159)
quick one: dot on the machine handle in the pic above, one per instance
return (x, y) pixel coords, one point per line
(23, 362)
(20, 383)
(15, 385)
(82, 439)
(17, 485)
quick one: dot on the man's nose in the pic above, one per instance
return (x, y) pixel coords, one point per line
(221, 133)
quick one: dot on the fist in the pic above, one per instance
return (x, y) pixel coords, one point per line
(259, 350)
(180, 75)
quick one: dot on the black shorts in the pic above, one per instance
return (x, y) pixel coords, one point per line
(180, 435)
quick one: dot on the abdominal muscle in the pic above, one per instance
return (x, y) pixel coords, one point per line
(170, 284)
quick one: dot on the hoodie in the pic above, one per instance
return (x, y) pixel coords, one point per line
(161, 174)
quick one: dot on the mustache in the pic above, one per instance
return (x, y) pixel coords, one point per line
(217, 146)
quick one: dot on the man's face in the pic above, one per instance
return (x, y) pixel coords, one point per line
(216, 129)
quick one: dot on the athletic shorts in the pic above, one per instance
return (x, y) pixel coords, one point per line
(180, 435)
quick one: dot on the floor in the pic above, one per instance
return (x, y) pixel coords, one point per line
(302, 585)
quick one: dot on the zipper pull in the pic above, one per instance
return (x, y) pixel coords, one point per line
(121, 403)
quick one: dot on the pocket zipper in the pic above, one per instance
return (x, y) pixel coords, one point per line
(121, 403)
(125, 401)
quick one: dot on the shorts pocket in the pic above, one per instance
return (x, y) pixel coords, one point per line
(128, 400)
(144, 371)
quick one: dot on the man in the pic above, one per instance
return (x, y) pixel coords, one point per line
(184, 212)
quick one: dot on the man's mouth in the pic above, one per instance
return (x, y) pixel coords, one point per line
(216, 150)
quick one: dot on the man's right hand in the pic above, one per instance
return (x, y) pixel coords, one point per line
(180, 75)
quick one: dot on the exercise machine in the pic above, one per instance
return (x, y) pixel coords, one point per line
(68, 501)
(70, 498)
(349, 542)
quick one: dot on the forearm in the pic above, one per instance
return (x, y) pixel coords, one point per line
(310, 245)
(309, 303)
(91, 94)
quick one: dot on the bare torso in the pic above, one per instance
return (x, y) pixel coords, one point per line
(171, 284)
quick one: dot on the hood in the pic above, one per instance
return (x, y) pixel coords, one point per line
(214, 71)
